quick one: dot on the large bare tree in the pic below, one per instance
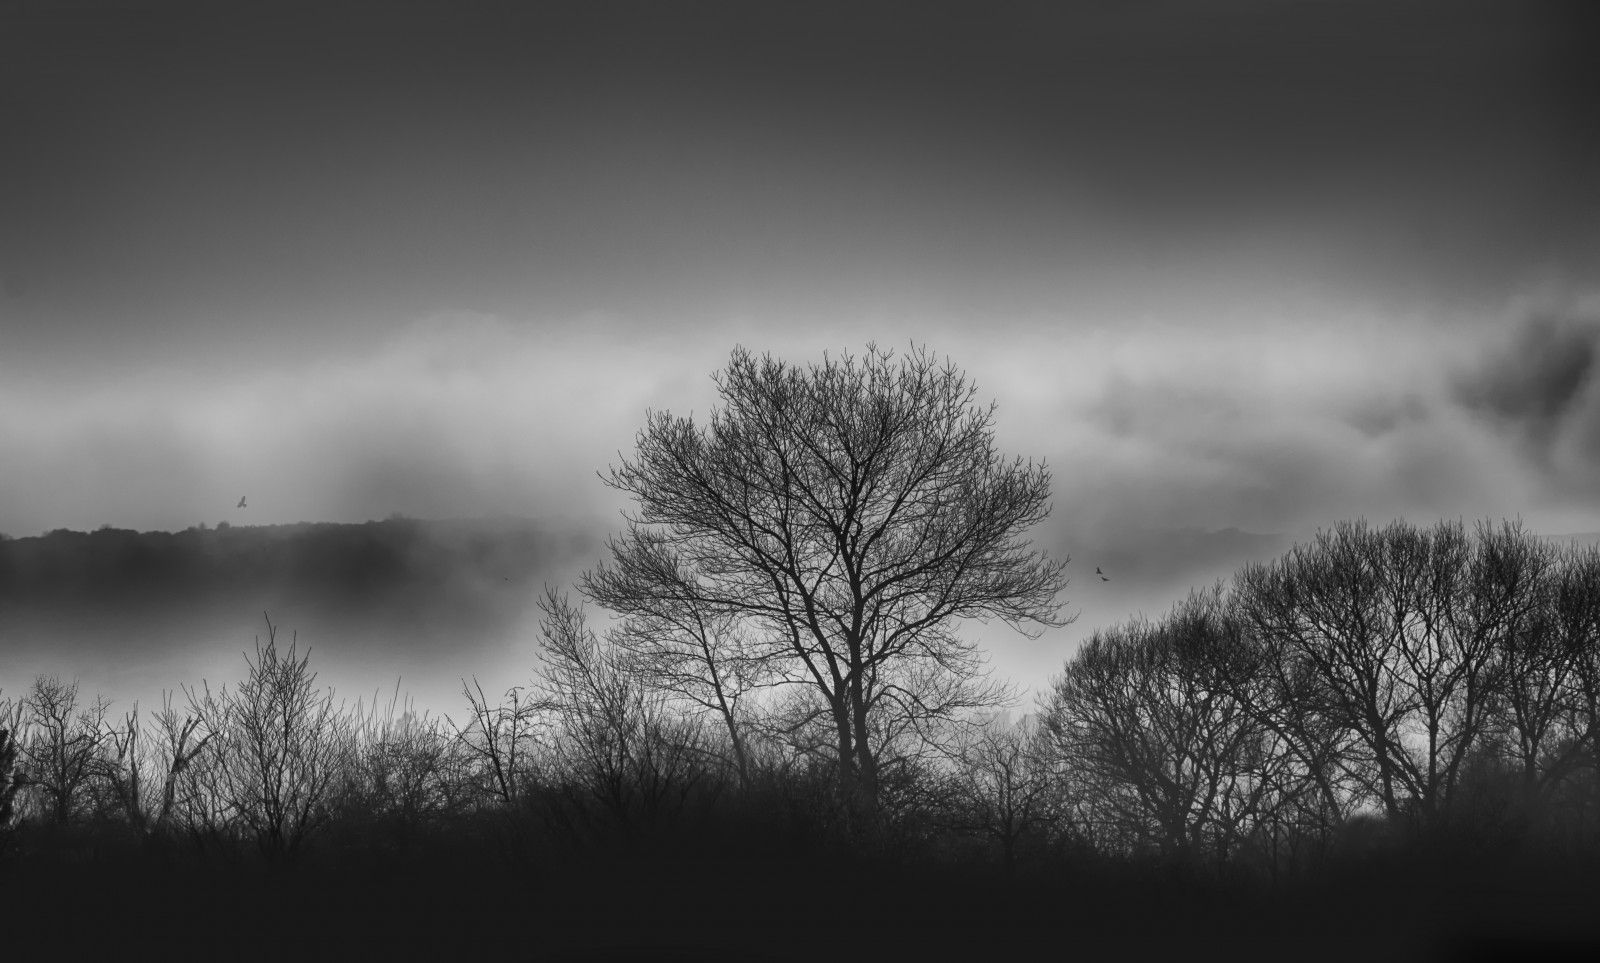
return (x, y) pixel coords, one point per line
(847, 516)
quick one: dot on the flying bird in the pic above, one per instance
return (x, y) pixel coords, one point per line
(1103, 576)
(241, 502)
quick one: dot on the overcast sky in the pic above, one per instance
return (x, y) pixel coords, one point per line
(1225, 265)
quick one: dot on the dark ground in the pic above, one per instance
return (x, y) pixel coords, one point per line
(612, 908)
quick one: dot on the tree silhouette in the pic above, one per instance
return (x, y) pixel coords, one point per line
(1399, 628)
(1154, 714)
(1001, 783)
(499, 738)
(277, 744)
(849, 514)
(12, 778)
(618, 745)
(63, 750)
(679, 642)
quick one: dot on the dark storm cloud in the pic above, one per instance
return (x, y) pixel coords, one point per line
(1537, 384)
(200, 179)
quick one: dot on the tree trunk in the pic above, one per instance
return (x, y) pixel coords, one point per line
(866, 762)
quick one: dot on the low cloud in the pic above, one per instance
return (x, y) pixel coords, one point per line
(1282, 434)
(1536, 389)
(1537, 384)
(459, 415)
(1251, 423)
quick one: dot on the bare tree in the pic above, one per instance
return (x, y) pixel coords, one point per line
(1539, 661)
(277, 744)
(1315, 774)
(1399, 629)
(64, 747)
(1152, 711)
(177, 746)
(132, 755)
(617, 741)
(499, 737)
(1575, 623)
(12, 777)
(1003, 783)
(124, 772)
(404, 769)
(849, 514)
(678, 642)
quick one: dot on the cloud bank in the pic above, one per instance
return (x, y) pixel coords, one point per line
(1151, 424)
(1179, 451)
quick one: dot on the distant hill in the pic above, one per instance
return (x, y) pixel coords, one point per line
(360, 564)
(132, 610)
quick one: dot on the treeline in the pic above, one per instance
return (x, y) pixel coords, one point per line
(1393, 690)
(346, 561)
(595, 753)
(1401, 686)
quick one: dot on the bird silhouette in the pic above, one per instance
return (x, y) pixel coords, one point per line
(241, 502)
(1103, 576)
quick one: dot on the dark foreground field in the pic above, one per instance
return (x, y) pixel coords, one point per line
(669, 906)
